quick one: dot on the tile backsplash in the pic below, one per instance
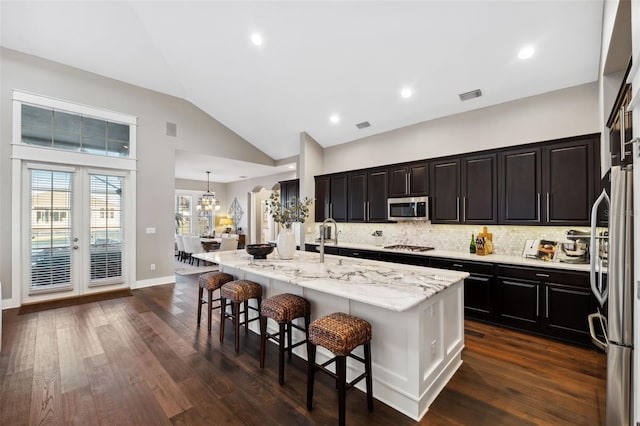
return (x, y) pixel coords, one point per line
(509, 240)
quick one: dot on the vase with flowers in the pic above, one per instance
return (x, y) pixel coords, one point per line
(287, 213)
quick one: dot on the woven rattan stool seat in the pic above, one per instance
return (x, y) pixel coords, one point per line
(214, 280)
(240, 290)
(339, 332)
(285, 307)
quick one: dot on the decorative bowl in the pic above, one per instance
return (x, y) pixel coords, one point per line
(259, 251)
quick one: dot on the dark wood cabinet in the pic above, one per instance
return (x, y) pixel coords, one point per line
(362, 254)
(568, 182)
(479, 189)
(289, 190)
(407, 259)
(479, 287)
(409, 180)
(367, 196)
(445, 191)
(357, 197)
(554, 303)
(338, 197)
(377, 196)
(323, 198)
(316, 248)
(520, 186)
(620, 125)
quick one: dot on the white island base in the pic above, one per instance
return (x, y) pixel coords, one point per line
(415, 351)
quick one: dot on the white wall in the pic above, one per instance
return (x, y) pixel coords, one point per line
(155, 166)
(553, 115)
(310, 164)
(241, 190)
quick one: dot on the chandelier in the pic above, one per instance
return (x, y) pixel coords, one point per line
(208, 201)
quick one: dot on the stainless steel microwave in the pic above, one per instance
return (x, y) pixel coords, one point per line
(413, 208)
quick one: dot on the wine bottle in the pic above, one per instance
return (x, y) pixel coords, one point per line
(472, 245)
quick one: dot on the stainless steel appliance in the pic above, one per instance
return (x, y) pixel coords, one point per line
(412, 208)
(577, 249)
(617, 327)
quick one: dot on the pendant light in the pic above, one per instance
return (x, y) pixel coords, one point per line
(208, 200)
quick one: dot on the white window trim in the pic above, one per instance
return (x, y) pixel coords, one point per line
(22, 152)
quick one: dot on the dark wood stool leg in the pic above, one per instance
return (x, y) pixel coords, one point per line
(369, 379)
(200, 292)
(341, 372)
(311, 373)
(223, 310)
(263, 339)
(281, 350)
(289, 339)
(246, 317)
(236, 323)
(209, 309)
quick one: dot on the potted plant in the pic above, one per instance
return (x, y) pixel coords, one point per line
(287, 213)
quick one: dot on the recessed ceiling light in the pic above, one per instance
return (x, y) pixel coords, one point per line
(334, 119)
(291, 166)
(256, 39)
(526, 52)
(406, 93)
(243, 177)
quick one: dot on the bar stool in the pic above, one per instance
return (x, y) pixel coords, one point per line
(211, 281)
(283, 308)
(340, 333)
(238, 291)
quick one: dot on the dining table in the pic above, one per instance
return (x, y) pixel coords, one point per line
(210, 243)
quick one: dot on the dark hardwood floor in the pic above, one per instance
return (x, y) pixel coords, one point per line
(141, 360)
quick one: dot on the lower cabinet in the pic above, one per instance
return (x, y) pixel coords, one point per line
(478, 287)
(407, 259)
(362, 254)
(550, 302)
(316, 248)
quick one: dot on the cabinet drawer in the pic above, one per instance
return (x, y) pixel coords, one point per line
(363, 254)
(407, 259)
(459, 265)
(580, 279)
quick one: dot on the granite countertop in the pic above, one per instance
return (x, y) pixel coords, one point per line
(387, 285)
(492, 258)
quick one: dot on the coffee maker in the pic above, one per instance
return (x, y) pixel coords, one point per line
(577, 249)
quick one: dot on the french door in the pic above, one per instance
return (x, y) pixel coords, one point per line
(74, 231)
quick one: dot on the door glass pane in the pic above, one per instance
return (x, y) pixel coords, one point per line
(183, 214)
(106, 229)
(51, 203)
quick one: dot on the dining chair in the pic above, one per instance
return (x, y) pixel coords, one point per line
(180, 242)
(228, 244)
(195, 246)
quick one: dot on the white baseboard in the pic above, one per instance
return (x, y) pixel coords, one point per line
(14, 302)
(169, 279)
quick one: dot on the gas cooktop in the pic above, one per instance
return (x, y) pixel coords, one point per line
(408, 248)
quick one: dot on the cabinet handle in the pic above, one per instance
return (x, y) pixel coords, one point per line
(364, 213)
(368, 211)
(330, 209)
(539, 215)
(548, 205)
(409, 183)
(537, 302)
(355, 253)
(542, 275)
(546, 303)
(457, 265)
(464, 208)
(622, 153)
(458, 209)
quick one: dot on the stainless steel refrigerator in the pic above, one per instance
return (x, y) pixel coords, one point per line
(617, 328)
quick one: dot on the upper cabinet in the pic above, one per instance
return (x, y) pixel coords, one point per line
(479, 189)
(289, 189)
(463, 190)
(445, 191)
(568, 182)
(549, 185)
(367, 196)
(409, 180)
(520, 186)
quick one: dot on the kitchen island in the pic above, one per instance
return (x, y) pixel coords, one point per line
(416, 315)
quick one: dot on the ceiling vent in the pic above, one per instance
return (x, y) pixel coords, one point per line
(470, 95)
(363, 125)
(172, 129)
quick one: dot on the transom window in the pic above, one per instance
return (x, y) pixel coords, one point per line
(52, 128)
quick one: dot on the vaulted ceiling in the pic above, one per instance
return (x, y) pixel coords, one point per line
(318, 59)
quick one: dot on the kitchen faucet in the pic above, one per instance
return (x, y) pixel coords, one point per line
(335, 225)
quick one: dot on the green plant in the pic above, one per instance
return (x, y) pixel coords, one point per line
(179, 221)
(286, 213)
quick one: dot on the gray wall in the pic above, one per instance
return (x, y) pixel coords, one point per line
(562, 113)
(155, 178)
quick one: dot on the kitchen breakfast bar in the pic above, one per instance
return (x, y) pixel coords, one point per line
(416, 314)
